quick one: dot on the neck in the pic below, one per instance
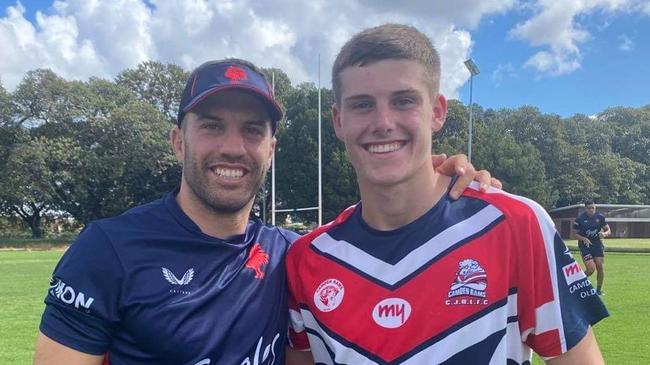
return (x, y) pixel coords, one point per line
(217, 224)
(391, 207)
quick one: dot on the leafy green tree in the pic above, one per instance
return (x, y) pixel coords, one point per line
(159, 84)
(124, 160)
(452, 139)
(26, 189)
(518, 165)
(297, 157)
(6, 107)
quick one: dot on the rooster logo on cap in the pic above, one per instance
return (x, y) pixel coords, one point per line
(235, 73)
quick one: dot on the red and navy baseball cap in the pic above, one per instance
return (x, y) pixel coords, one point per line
(232, 73)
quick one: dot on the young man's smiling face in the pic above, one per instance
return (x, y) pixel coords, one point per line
(386, 117)
(225, 145)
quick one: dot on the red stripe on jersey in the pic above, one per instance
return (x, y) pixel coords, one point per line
(546, 344)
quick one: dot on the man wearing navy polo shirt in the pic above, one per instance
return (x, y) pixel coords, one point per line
(187, 279)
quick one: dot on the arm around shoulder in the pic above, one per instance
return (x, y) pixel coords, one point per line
(50, 352)
(585, 352)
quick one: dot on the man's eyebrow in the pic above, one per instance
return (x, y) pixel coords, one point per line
(257, 121)
(207, 115)
(406, 92)
(357, 97)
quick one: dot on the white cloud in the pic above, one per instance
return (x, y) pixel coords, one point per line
(502, 72)
(82, 38)
(645, 8)
(627, 44)
(556, 26)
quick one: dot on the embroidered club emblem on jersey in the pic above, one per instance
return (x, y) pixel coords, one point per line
(329, 295)
(172, 279)
(391, 312)
(470, 285)
(257, 258)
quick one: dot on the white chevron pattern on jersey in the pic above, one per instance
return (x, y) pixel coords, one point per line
(391, 274)
(467, 335)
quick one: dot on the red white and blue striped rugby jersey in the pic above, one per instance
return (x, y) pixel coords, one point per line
(481, 280)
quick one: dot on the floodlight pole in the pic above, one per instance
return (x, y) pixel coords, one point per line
(273, 166)
(320, 162)
(473, 70)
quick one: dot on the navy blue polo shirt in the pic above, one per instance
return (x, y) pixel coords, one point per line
(148, 287)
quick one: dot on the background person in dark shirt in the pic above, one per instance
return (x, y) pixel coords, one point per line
(592, 227)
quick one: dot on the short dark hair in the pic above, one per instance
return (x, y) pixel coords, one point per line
(589, 202)
(387, 42)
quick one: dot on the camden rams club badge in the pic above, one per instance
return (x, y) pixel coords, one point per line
(329, 295)
(470, 285)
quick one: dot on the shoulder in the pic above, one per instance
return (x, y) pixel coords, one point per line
(142, 217)
(274, 234)
(305, 241)
(513, 207)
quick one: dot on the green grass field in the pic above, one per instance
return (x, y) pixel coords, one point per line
(622, 337)
(25, 277)
(631, 243)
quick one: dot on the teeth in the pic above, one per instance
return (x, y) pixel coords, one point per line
(229, 173)
(384, 148)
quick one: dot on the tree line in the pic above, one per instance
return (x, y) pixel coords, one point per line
(92, 149)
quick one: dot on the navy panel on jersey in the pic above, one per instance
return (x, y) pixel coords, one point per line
(443, 215)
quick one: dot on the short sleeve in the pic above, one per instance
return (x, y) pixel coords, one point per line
(557, 303)
(576, 224)
(297, 335)
(82, 303)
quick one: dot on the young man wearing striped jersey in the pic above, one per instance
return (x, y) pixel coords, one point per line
(408, 276)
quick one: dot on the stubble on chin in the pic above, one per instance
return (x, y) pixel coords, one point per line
(214, 197)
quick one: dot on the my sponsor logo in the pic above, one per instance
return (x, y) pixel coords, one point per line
(329, 295)
(391, 312)
(172, 279)
(69, 295)
(572, 273)
(470, 285)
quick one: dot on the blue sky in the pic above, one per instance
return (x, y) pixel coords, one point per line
(608, 75)
(564, 57)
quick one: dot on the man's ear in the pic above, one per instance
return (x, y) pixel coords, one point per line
(439, 113)
(336, 120)
(178, 143)
(271, 151)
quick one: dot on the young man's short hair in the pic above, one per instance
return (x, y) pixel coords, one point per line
(589, 202)
(387, 42)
